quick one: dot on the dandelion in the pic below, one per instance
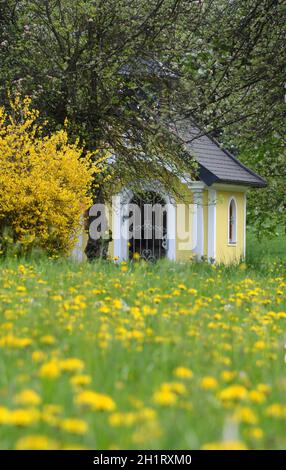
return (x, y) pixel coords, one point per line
(27, 397)
(50, 370)
(71, 364)
(24, 417)
(183, 373)
(74, 426)
(48, 339)
(36, 442)
(95, 401)
(233, 392)
(226, 445)
(209, 383)
(245, 415)
(78, 380)
(165, 398)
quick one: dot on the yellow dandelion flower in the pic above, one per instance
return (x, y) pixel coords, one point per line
(226, 445)
(36, 442)
(260, 345)
(74, 426)
(183, 372)
(276, 410)
(208, 383)
(48, 339)
(256, 396)
(95, 401)
(256, 433)
(4, 415)
(165, 398)
(24, 417)
(71, 364)
(27, 397)
(227, 375)
(80, 379)
(37, 356)
(245, 415)
(50, 370)
(233, 392)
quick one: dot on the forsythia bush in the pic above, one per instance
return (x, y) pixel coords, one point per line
(44, 183)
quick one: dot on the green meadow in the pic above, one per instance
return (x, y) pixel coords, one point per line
(163, 356)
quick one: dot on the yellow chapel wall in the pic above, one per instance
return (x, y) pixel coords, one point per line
(225, 252)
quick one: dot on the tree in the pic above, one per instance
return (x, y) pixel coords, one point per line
(44, 182)
(267, 208)
(121, 71)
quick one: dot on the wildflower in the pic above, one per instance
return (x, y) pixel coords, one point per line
(165, 397)
(48, 339)
(11, 341)
(50, 414)
(225, 445)
(174, 387)
(255, 433)
(95, 401)
(245, 415)
(276, 410)
(227, 375)
(122, 419)
(209, 383)
(233, 392)
(71, 364)
(264, 388)
(256, 396)
(74, 426)
(50, 370)
(27, 397)
(183, 373)
(4, 415)
(36, 442)
(37, 356)
(78, 380)
(24, 417)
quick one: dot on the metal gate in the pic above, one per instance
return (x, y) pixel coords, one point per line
(149, 240)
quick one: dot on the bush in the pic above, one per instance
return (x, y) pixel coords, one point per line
(44, 183)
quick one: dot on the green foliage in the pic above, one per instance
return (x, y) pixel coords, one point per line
(90, 61)
(266, 208)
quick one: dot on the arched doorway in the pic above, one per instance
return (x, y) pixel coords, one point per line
(121, 215)
(148, 216)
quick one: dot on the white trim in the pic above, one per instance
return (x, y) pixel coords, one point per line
(116, 225)
(77, 253)
(197, 188)
(244, 226)
(211, 225)
(122, 200)
(232, 243)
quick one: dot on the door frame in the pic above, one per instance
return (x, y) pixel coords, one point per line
(120, 214)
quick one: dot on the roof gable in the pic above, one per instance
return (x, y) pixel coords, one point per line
(216, 164)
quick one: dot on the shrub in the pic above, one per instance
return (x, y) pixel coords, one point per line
(44, 183)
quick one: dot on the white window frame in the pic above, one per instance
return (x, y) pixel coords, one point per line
(233, 241)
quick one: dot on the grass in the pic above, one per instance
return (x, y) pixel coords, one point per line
(175, 355)
(266, 250)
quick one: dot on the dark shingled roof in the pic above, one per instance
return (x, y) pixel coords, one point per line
(216, 164)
